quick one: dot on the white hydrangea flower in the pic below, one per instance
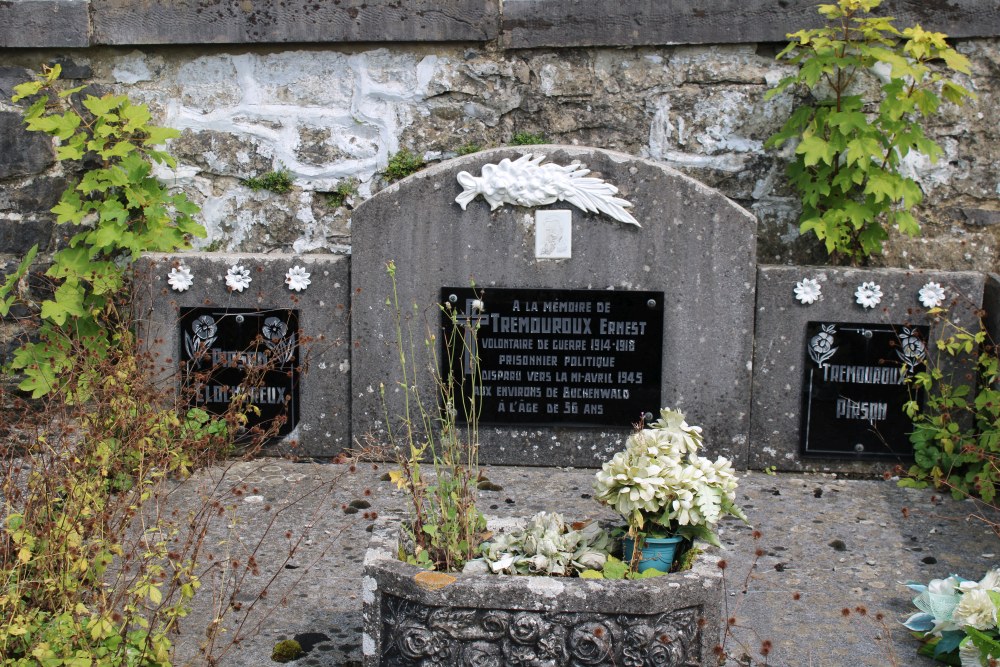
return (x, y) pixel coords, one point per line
(180, 278)
(931, 295)
(808, 291)
(297, 278)
(238, 278)
(869, 294)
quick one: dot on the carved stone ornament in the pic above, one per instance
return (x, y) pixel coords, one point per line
(416, 634)
(528, 182)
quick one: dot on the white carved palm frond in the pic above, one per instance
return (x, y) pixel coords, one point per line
(528, 182)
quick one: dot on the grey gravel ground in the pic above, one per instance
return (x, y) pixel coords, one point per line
(826, 545)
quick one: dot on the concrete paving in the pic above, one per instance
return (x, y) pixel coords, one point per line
(826, 545)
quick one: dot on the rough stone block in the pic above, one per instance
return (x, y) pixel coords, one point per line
(42, 23)
(17, 236)
(414, 617)
(780, 351)
(252, 21)
(538, 23)
(22, 152)
(695, 246)
(324, 425)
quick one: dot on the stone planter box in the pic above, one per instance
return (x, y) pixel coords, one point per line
(415, 617)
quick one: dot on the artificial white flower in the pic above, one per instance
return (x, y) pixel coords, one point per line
(808, 291)
(297, 278)
(932, 295)
(659, 479)
(869, 294)
(238, 278)
(180, 278)
(968, 654)
(975, 608)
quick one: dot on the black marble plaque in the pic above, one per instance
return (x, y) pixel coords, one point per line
(855, 388)
(560, 357)
(229, 351)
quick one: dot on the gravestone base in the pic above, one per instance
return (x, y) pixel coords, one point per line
(782, 364)
(317, 347)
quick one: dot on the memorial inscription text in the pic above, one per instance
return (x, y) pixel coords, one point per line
(855, 388)
(247, 354)
(562, 357)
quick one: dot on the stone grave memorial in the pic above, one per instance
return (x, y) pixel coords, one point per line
(603, 287)
(272, 327)
(834, 349)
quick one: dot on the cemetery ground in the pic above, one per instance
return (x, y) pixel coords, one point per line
(822, 584)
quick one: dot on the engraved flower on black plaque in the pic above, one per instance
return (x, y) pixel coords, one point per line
(274, 331)
(205, 330)
(274, 328)
(204, 327)
(821, 345)
(911, 349)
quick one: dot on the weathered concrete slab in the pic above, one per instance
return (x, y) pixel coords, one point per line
(827, 544)
(538, 23)
(323, 308)
(695, 246)
(260, 21)
(36, 24)
(778, 380)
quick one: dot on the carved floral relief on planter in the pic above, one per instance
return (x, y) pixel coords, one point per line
(418, 635)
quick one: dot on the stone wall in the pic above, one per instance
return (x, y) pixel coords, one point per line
(672, 83)
(331, 91)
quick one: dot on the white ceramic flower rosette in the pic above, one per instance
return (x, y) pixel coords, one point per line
(868, 294)
(180, 277)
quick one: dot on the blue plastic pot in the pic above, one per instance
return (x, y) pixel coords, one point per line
(656, 552)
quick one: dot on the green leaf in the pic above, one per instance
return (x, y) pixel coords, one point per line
(614, 568)
(26, 89)
(956, 61)
(815, 150)
(68, 301)
(988, 646)
(159, 135)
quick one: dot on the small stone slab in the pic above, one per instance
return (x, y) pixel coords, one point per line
(36, 24)
(781, 338)
(324, 417)
(991, 304)
(538, 23)
(261, 21)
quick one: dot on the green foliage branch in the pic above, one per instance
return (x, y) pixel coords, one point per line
(120, 210)
(92, 574)
(956, 435)
(445, 528)
(849, 148)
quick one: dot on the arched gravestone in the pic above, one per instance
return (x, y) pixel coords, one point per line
(569, 394)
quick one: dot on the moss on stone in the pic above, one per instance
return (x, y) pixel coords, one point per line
(286, 650)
